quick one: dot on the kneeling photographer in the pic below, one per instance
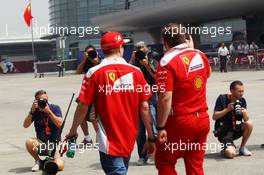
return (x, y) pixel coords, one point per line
(47, 119)
(232, 120)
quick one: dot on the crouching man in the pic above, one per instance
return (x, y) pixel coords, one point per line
(47, 119)
(232, 120)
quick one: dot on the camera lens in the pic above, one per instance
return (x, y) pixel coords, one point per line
(140, 55)
(237, 108)
(42, 102)
(92, 54)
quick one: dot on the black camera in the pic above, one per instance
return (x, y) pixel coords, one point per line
(238, 110)
(92, 54)
(50, 166)
(42, 103)
(140, 55)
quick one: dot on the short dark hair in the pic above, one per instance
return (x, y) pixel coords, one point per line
(235, 83)
(173, 34)
(110, 52)
(40, 92)
(89, 47)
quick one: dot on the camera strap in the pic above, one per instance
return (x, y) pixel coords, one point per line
(233, 121)
(47, 128)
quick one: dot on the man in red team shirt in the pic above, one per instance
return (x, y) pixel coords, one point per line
(183, 122)
(119, 91)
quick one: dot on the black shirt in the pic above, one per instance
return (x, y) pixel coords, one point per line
(150, 80)
(221, 103)
(45, 129)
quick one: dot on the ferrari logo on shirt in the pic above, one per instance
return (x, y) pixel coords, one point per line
(186, 60)
(198, 83)
(112, 76)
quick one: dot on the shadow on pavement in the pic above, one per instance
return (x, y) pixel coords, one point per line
(219, 157)
(20, 170)
(95, 166)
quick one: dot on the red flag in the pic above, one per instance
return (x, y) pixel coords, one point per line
(27, 15)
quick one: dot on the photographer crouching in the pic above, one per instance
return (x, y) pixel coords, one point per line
(232, 120)
(47, 120)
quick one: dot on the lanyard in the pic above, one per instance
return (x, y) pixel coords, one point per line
(47, 128)
(233, 120)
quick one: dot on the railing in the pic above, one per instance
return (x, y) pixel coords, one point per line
(253, 60)
(42, 68)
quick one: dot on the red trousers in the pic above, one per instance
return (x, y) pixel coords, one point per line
(187, 137)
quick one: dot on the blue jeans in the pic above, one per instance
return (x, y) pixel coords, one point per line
(113, 165)
(141, 138)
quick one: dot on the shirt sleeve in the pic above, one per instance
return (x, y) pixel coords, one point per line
(146, 89)
(164, 79)
(88, 90)
(218, 104)
(56, 110)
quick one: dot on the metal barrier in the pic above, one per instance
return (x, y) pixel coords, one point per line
(42, 68)
(253, 60)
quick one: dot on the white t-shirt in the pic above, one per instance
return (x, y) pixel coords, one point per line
(223, 51)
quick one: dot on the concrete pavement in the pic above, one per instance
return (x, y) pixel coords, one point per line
(16, 95)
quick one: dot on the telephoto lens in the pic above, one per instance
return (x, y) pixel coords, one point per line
(238, 110)
(42, 103)
(50, 166)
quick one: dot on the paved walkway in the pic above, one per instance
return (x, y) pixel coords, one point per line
(16, 95)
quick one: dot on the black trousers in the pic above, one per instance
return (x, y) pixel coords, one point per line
(223, 60)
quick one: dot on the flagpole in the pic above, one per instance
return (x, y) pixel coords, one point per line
(33, 47)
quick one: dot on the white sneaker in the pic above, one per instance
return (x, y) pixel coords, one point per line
(244, 151)
(141, 162)
(36, 167)
(151, 160)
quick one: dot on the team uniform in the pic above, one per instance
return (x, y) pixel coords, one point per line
(112, 87)
(184, 71)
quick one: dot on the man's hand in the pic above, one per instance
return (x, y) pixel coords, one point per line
(230, 107)
(71, 135)
(34, 106)
(149, 147)
(245, 114)
(162, 136)
(46, 109)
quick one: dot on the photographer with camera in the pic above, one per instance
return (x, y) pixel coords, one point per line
(47, 120)
(232, 120)
(148, 67)
(91, 59)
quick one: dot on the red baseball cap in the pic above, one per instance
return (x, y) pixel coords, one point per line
(111, 40)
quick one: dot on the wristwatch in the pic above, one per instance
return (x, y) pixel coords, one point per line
(153, 140)
(160, 128)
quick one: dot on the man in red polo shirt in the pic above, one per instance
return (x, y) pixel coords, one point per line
(119, 92)
(183, 122)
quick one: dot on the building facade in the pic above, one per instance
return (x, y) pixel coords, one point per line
(77, 14)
